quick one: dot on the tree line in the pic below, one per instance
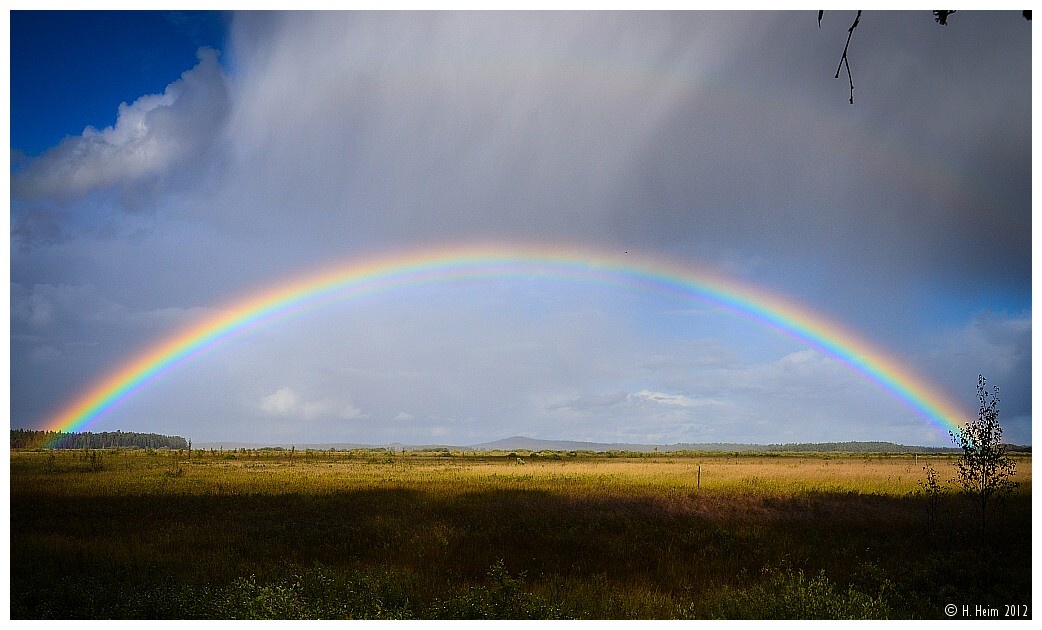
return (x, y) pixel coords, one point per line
(29, 438)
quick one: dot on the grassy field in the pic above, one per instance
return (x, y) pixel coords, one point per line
(275, 534)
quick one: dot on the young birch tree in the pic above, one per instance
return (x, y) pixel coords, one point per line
(984, 470)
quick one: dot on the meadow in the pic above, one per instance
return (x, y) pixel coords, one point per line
(151, 534)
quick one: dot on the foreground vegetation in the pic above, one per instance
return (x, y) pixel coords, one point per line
(375, 534)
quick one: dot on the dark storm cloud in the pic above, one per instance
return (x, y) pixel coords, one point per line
(718, 134)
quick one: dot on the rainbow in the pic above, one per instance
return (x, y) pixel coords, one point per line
(346, 281)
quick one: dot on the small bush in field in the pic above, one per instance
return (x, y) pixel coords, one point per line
(504, 598)
(934, 491)
(314, 594)
(790, 594)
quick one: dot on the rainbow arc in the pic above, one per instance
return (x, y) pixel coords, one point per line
(346, 281)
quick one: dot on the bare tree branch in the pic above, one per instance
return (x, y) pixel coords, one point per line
(941, 17)
(843, 60)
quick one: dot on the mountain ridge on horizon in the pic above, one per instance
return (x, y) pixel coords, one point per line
(524, 443)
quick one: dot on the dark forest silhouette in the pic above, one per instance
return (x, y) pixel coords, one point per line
(27, 438)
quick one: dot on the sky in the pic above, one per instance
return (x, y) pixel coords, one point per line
(166, 164)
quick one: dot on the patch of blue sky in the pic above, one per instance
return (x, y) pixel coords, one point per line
(72, 69)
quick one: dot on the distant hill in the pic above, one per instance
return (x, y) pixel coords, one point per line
(515, 443)
(231, 445)
(532, 444)
(521, 443)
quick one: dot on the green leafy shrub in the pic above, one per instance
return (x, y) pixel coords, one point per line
(790, 594)
(503, 598)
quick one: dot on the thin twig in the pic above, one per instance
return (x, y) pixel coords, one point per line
(843, 60)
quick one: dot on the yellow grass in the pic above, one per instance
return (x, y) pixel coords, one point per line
(435, 536)
(320, 472)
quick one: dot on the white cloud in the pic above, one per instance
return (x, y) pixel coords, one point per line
(660, 398)
(283, 402)
(590, 401)
(152, 135)
(643, 397)
(799, 357)
(351, 412)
